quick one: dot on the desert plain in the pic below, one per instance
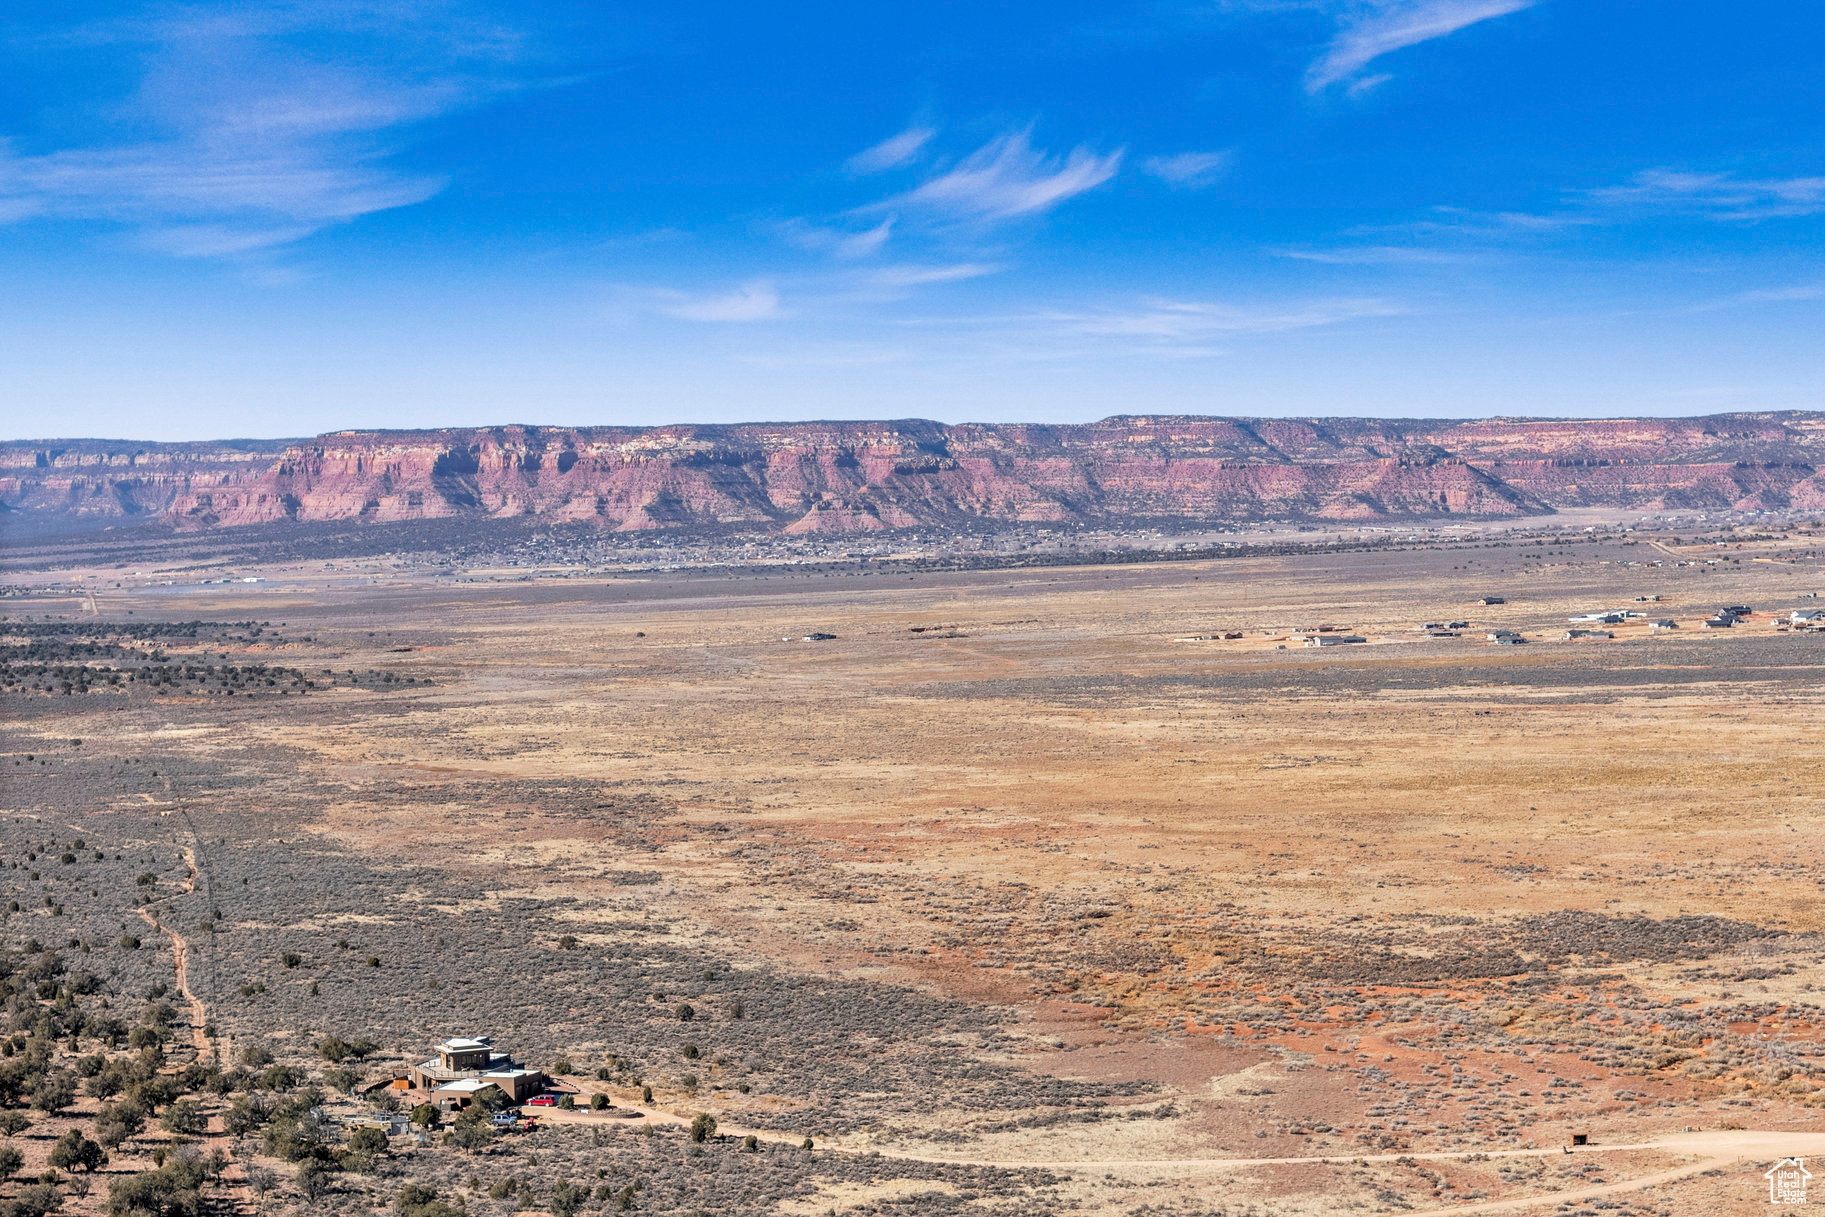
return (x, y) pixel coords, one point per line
(1028, 889)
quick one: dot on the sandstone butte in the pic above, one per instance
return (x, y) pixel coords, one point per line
(817, 477)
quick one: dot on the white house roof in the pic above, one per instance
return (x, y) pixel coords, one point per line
(467, 1085)
(509, 1073)
(463, 1045)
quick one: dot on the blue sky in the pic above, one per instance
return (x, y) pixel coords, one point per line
(265, 219)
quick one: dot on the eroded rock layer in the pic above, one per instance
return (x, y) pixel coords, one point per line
(866, 476)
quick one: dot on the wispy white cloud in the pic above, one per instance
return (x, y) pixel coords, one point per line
(206, 198)
(825, 295)
(1373, 255)
(757, 300)
(1151, 328)
(1458, 224)
(826, 355)
(1178, 320)
(243, 141)
(1649, 197)
(1785, 295)
(863, 244)
(1189, 169)
(1528, 221)
(921, 276)
(847, 245)
(892, 152)
(1008, 177)
(1719, 195)
(1392, 26)
(222, 241)
(1792, 293)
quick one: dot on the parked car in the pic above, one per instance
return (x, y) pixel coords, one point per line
(542, 1100)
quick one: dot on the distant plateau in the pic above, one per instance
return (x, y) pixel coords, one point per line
(854, 477)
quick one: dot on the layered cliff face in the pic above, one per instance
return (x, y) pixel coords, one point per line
(849, 477)
(71, 485)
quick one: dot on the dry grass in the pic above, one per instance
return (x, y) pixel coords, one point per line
(1412, 895)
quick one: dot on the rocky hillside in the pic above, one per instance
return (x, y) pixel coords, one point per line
(863, 476)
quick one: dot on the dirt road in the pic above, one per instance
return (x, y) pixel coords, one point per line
(180, 961)
(217, 1134)
(1704, 1150)
(1709, 1150)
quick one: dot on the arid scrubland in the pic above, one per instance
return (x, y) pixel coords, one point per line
(1027, 891)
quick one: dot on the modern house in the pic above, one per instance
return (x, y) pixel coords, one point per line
(463, 1067)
